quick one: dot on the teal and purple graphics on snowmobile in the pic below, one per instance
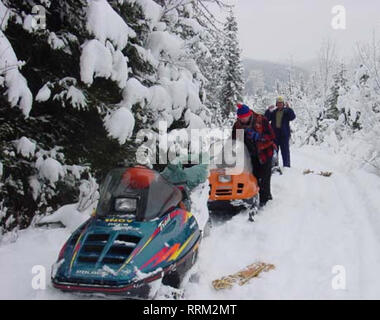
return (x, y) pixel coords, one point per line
(141, 232)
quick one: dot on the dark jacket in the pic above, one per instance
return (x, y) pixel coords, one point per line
(263, 149)
(284, 131)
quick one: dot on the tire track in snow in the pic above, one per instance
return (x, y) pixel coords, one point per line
(366, 234)
(351, 243)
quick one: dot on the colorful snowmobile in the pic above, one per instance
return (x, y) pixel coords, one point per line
(141, 234)
(233, 187)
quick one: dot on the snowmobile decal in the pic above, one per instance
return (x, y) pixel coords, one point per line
(185, 216)
(179, 251)
(141, 248)
(161, 256)
(166, 254)
(76, 248)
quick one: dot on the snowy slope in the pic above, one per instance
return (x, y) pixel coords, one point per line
(313, 224)
(34, 247)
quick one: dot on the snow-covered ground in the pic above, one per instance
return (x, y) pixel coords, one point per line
(313, 224)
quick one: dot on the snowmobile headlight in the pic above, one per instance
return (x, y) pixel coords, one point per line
(224, 178)
(126, 205)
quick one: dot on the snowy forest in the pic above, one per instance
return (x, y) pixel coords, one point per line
(76, 92)
(337, 104)
(80, 78)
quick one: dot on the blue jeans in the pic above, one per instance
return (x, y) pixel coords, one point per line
(283, 144)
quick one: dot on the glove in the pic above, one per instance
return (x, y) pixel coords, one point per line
(252, 134)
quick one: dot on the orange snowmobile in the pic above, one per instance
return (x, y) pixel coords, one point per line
(233, 186)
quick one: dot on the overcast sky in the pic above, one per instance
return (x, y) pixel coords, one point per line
(277, 30)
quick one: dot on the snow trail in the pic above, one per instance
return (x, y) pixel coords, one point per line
(313, 224)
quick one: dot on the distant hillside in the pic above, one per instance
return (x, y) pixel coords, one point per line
(265, 74)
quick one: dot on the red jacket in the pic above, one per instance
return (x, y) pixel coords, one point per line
(264, 147)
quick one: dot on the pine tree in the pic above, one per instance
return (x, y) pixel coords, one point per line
(331, 110)
(66, 132)
(233, 83)
(69, 122)
(212, 67)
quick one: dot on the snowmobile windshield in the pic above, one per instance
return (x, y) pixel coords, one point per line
(231, 155)
(137, 193)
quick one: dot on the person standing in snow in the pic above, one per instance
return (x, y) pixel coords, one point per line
(280, 116)
(259, 139)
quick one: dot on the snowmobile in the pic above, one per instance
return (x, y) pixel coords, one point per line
(140, 235)
(233, 186)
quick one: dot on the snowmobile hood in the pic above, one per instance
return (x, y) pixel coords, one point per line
(112, 251)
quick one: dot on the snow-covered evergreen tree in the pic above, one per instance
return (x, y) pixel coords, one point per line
(233, 83)
(84, 85)
(338, 88)
(213, 69)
